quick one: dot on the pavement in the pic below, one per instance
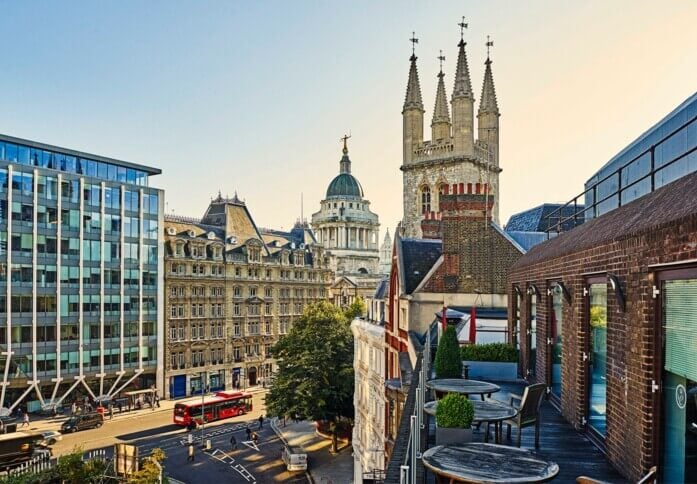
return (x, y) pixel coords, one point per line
(323, 466)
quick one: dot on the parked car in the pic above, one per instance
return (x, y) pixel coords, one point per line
(86, 421)
(51, 437)
(295, 458)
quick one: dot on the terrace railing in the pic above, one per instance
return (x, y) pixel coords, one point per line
(557, 221)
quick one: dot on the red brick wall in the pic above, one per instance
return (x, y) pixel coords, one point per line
(475, 255)
(630, 339)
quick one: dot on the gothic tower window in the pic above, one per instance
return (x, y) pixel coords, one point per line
(425, 199)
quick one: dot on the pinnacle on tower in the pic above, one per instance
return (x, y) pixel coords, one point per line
(413, 98)
(463, 85)
(345, 163)
(440, 110)
(488, 103)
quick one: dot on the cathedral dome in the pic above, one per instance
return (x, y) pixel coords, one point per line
(344, 185)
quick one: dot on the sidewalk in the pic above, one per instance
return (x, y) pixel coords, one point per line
(41, 424)
(323, 467)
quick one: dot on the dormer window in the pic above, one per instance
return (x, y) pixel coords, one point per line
(254, 254)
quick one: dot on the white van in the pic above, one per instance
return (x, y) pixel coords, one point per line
(295, 458)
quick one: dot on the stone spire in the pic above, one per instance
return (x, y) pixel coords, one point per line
(413, 98)
(463, 103)
(413, 111)
(488, 115)
(488, 103)
(463, 85)
(440, 125)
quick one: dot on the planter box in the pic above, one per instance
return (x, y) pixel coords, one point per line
(492, 370)
(453, 436)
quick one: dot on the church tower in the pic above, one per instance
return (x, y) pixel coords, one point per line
(452, 156)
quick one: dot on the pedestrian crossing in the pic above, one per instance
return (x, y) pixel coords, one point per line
(226, 459)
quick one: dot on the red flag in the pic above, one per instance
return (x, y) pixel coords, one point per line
(473, 325)
(444, 318)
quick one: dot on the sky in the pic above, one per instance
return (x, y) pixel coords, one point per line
(252, 97)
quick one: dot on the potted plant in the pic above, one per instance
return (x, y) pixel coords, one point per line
(454, 415)
(493, 361)
(448, 363)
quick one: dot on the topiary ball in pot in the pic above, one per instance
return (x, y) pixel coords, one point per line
(454, 415)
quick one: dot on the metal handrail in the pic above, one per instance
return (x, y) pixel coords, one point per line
(556, 227)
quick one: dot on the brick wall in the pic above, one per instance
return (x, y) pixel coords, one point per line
(631, 342)
(476, 256)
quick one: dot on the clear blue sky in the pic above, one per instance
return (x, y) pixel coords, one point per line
(253, 96)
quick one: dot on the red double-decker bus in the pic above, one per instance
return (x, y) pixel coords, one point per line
(221, 405)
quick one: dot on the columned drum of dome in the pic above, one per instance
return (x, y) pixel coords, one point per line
(347, 228)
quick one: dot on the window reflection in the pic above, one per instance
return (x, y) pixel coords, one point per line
(597, 316)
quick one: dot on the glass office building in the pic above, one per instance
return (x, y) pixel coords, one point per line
(669, 149)
(80, 268)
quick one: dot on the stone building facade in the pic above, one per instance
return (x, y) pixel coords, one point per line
(451, 155)
(231, 289)
(348, 231)
(369, 398)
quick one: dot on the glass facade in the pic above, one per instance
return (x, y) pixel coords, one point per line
(674, 138)
(79, 269)
(50, 159)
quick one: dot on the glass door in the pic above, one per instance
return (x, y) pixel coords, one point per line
(597, 355)
(678, 457)
(555, 340)
(532, 337)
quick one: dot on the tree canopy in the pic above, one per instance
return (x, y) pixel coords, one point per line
(315, 366)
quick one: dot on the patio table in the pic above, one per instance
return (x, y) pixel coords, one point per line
(465, 387)
(487, 463)
(489, 411)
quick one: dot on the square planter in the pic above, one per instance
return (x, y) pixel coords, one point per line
(453, 436)
(492, 370)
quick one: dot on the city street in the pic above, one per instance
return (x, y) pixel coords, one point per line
(150, 429)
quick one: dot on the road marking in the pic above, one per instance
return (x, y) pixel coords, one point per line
(229, 460)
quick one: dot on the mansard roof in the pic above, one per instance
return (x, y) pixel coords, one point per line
(416, 258)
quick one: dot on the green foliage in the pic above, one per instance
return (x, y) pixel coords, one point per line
(448, 363)
(501, 352)
(454, 411)
(315, 367)
(598, 316)
(149, 472)
(356, 309)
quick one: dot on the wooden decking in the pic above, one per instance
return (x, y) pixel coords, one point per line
(559, 442)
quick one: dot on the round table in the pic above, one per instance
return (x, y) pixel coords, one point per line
(487, 463)
(460, 385)
(489, 411)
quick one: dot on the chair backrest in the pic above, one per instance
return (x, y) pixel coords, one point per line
(650, 477)
(532, 398)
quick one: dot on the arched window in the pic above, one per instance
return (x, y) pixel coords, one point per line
(425, 199)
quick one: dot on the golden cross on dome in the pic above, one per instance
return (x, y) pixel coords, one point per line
(345, 139)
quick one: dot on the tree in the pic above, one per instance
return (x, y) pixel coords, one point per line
(315, 368)
(448, 363)
(355, 309)
(149, 472)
